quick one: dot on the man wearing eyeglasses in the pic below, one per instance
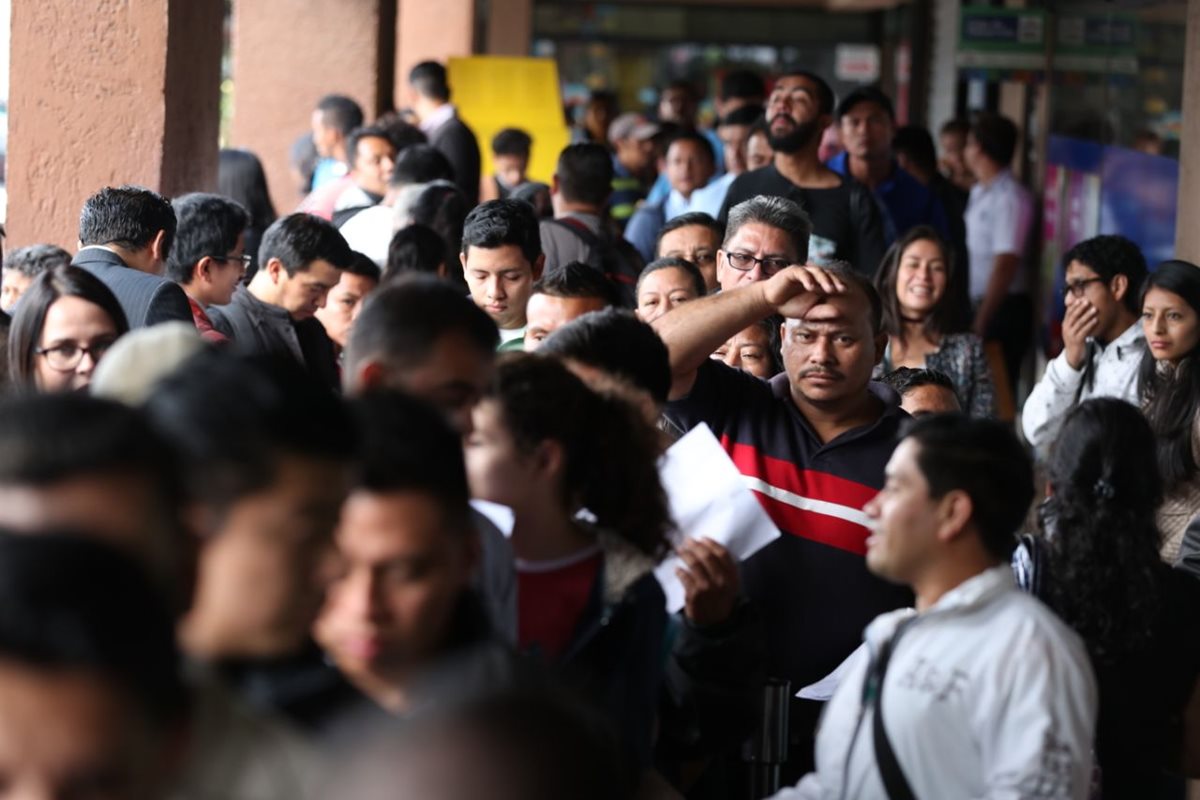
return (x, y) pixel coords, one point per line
(1102, 335)
(208, 261)
(812, 442)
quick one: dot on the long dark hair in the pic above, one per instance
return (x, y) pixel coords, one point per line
(611, 452)
(240, 177)
(30, 317)
(944, 318)
(1171, 400)
(1103, 540)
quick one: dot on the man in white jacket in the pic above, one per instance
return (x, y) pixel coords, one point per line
(984, 692)
(1102, 336)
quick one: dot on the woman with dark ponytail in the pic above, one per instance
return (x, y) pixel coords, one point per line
(1100, 570)
(1169, 384)
(591, 520)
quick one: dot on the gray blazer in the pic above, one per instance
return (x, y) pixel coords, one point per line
(146, 299)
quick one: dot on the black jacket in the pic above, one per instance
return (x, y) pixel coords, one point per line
(458, 144)
(146, 299)
(615, 657)
(259, 328)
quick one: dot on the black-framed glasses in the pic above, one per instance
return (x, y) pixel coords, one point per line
(744, 262)
(245, 258)
(1076, 288)
(66, 356)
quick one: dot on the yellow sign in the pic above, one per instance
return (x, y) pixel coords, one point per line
(496, 92)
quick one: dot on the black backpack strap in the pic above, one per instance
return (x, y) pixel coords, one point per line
(894, 782)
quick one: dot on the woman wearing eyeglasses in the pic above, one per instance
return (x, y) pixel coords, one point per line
(63, 326)
(920, 320)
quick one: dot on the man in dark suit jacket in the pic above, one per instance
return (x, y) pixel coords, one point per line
(439, 120)
(125, 235)
(302, 258)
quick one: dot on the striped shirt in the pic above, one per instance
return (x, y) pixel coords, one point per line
(811, 585)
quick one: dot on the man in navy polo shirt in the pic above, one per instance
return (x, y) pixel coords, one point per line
(867, 124)
(812, 443)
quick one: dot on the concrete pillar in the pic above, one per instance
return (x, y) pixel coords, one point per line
(1187, 232)
(288, 54)
(425, 35)
(509, 29)
(108, 92)
(943, 70)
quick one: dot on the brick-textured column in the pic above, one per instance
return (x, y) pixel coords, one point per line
(287, 54)
(108, 92)
(428, 31)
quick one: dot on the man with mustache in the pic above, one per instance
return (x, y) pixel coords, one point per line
(812, 443)
(846, 223)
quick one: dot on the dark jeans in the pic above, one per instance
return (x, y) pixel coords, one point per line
(1012, 327)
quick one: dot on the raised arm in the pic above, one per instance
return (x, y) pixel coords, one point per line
(694, 330)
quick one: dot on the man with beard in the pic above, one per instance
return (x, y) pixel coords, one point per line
(846, 222)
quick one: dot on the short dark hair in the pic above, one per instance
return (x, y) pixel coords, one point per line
(365, 132)
(32, 260)
(209, 225)
(959, 126)
(776, 212)
(406, 445)
(866, 94)
(742, 84)
(420, 163)
(825, 96)
(340, 112)
(696, 138)
(67, 602)
(415, 248)
(429, 79)
(53, 438)
(126, 216)
(688, 220)
(26, 331)
(497, 223)
(742, 115)
(905, 379)
(983, 458)
(996, 136)
(916, 142)
(690, 269)
(616, 341)
(443, 207)
(577, 279)
(1109, 256)
(231, 418)
(512, 142)
(585, 173)
(402, 134)
(400, 323)
(299, 239)
(362, 266)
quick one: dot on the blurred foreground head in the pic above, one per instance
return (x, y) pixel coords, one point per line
(528, 745)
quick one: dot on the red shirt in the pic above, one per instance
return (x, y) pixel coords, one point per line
(204, 324)
(551, 597)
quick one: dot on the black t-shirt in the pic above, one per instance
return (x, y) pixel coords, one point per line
(846, 222)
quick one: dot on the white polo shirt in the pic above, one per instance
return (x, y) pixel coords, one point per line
(999, 218)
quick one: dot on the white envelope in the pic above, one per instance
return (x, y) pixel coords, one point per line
(709, 497)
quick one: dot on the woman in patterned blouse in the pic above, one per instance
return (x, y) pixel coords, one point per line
(919, 320)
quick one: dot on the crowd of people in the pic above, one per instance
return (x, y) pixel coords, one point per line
(366, 500)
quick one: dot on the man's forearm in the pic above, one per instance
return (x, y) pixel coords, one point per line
(694, 330)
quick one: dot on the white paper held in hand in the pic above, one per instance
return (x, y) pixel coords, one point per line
(708, 497)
